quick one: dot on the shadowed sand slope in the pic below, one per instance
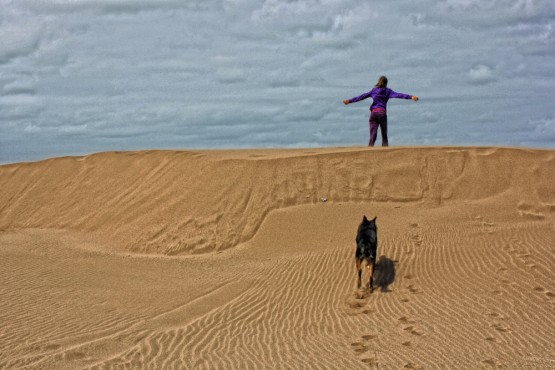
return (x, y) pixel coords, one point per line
(177, 202)
(465, 276)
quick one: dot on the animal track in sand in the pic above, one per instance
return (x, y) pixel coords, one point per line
(362, 346)
(417, 239)
(361, 294)
(410, 329)
(355, 304)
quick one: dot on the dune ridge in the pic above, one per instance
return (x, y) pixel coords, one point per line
(185, 202)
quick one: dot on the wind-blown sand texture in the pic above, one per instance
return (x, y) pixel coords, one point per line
(245, 259)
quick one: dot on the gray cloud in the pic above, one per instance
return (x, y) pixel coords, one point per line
(18, 40)
(111, 6)
(482, 74)
(17, 87)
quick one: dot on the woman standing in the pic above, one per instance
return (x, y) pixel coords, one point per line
(378, 113)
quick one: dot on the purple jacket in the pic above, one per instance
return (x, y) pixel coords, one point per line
(380, 96)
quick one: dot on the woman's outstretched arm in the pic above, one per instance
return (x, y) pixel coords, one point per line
(358, 98)
(396, 95)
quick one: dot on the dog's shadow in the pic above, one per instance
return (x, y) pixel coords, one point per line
(385, 272)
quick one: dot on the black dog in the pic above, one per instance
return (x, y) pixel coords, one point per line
(367, 246)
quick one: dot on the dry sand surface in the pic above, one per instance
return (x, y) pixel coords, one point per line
(245, 259)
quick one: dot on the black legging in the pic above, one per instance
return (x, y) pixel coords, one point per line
(378, 119)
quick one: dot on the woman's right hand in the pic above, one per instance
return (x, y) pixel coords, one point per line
(346, 101)
(415, 98)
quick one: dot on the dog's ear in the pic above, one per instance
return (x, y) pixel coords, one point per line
(364, 219)
(374, 220)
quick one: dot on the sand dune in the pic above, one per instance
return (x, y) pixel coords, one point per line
(196, 202)
(244, 259)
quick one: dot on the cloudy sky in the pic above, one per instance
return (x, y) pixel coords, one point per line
(82, 76)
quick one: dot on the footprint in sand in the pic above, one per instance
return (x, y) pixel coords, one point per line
(51, 347)
(405, 300)
(74, 355)
(369, 337)
(361, 294)
(369, 361)
(361, 349)
(407, 344)
(356, 306)
(413, 289)
(411, 365)
(413, 331)
(406, 320)
(501, 328)
(548, 294)
(491, 363)
(508, 282)
(496, 315)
